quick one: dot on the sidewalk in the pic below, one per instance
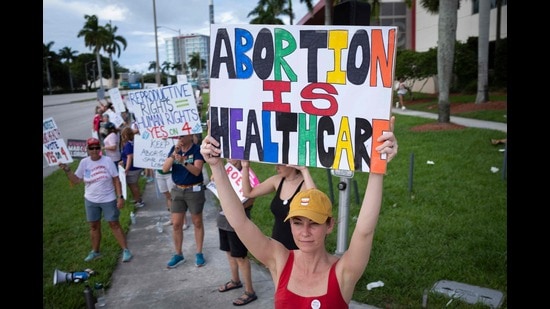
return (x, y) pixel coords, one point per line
(145, 282)
(467, 122)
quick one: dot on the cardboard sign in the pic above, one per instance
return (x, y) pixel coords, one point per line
(301, 95)
(151, 152)
(54, 149)
(166, 111)
(116, 99)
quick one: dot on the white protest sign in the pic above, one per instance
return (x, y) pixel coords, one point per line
(151, 152)
(314, 96)
(122, 177)
(235, 178)
(116, 99)
(166, 111)
(115, 118)
(54, 149)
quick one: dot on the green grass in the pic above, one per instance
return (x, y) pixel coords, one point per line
(451, 226)
(428, 103)
(66, 241)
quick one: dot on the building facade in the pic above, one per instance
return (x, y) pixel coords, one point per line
(418, 29)
(180, 49)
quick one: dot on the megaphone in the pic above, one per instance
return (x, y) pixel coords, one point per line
(61, 276)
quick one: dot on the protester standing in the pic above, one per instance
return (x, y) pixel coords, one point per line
(96, 121)
(237, 254)
(111, 143)
(127, 162)
(186, 163)
(310, 276)
(102, 196)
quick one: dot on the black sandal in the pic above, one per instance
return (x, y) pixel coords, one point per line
(230, 285)
(244, 299)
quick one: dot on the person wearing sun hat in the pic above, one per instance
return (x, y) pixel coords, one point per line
(102, 196)
(310, 276)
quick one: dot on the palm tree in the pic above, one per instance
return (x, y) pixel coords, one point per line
(498, 44)
(177, 67)
(291, 14)
(166, 66)
(69, 55)
(152, 66)
(196, 63)
(267, 12)
(95, 38)
(113, 47)
(446, 38)
(47, 53)
(483, 51)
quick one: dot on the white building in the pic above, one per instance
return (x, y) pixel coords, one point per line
(425, 35)
(418, 29)
(180, 48)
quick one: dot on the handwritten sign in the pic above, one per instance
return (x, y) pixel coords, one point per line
(166, 111)
(151, 152)
(235, 177)
(302, 95)
(54, 149)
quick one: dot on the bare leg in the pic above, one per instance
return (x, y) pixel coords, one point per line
(177, 225)
(169, 205)
(199, 230)
(244, 267)
(134, 188)
(118, 233)
(95, 234)
(233, 266)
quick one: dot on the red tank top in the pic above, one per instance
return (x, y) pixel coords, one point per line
(285, 299)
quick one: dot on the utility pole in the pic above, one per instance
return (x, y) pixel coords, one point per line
(157, 66)
(211, 7)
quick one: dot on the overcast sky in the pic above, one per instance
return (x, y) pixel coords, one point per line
(63, 19)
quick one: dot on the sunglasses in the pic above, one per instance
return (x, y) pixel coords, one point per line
(94, 148)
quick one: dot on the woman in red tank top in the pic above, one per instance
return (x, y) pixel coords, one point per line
(310, 276)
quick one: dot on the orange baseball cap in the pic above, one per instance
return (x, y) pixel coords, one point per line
(312, 204)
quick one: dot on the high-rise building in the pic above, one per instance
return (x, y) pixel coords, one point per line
(181, 48)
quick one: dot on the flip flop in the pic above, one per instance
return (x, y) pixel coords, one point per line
(230, 285)
(245, 299)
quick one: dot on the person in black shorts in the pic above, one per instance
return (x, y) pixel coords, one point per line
(237, 253)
